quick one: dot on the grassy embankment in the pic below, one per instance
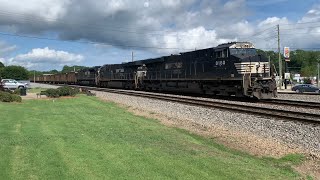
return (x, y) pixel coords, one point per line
(84, 138)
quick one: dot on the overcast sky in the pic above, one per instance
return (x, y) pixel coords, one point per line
(47, 34)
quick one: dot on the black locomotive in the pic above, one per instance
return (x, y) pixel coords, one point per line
(232, 69)
(87, 76)
(228, 69)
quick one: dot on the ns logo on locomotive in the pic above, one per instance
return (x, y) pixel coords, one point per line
(232, 69)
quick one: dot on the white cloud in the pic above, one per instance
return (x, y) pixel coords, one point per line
(272, 21)
(2, 60)
(48, 9)
(234, 4)
(312, 15)
(187, 24)
(171, 3)
(265, 3)
(195, 38)
(5, 48)
(39, 58)
(117, 22)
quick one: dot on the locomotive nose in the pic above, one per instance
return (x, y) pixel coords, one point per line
(254, 58)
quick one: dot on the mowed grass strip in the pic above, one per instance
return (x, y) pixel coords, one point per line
(85, 138)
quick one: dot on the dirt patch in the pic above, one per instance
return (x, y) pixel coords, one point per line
(310, 167)
(33, 96)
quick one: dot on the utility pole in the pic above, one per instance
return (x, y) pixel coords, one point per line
(269, 66)
(279, 58)
(318, 83)
(132, 56)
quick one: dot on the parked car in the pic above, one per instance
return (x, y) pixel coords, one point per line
(12, 84)
(300, 88)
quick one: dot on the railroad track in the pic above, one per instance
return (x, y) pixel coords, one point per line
(295, 103)
(305, 93)
(263, 111)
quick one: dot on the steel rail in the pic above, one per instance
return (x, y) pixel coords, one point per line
(304, 93)
(294, 103)
(265, 112)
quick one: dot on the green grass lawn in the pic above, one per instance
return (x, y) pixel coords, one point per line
(84, 138)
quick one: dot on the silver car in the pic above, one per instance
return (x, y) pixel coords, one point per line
(12, 84)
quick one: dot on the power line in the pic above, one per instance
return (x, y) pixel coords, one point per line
(300, 33)
(96, 27)
(307, 27)
(105, 28)
(88, 27)
(311, 22)
(86, 42)
(130, 46)
(25, 17)
(259, 33)
(254, 37)
(99, 43)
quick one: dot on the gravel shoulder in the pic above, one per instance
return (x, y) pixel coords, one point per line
(311, 98)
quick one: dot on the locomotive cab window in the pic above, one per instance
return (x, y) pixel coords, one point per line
(243, 51)
(222, 53)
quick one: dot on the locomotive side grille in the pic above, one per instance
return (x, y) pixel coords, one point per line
(247, 67)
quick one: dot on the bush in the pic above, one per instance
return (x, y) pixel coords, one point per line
(16, 91)
(16, 98)
(53, 93)
(7, 97)
(62, 91)
(68, 91)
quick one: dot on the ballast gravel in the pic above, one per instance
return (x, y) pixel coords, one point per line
(295, 135)
(300, 97)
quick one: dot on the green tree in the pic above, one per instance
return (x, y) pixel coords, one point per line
(14, 72)
(33, 73)
(51, 72)
(301, 61)
(71, 68)
(1, 65)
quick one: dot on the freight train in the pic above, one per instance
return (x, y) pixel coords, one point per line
(231, 69)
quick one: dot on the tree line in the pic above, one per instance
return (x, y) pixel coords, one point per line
(65, 69)
(301, 61)
(13, 72)
(21, 73)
